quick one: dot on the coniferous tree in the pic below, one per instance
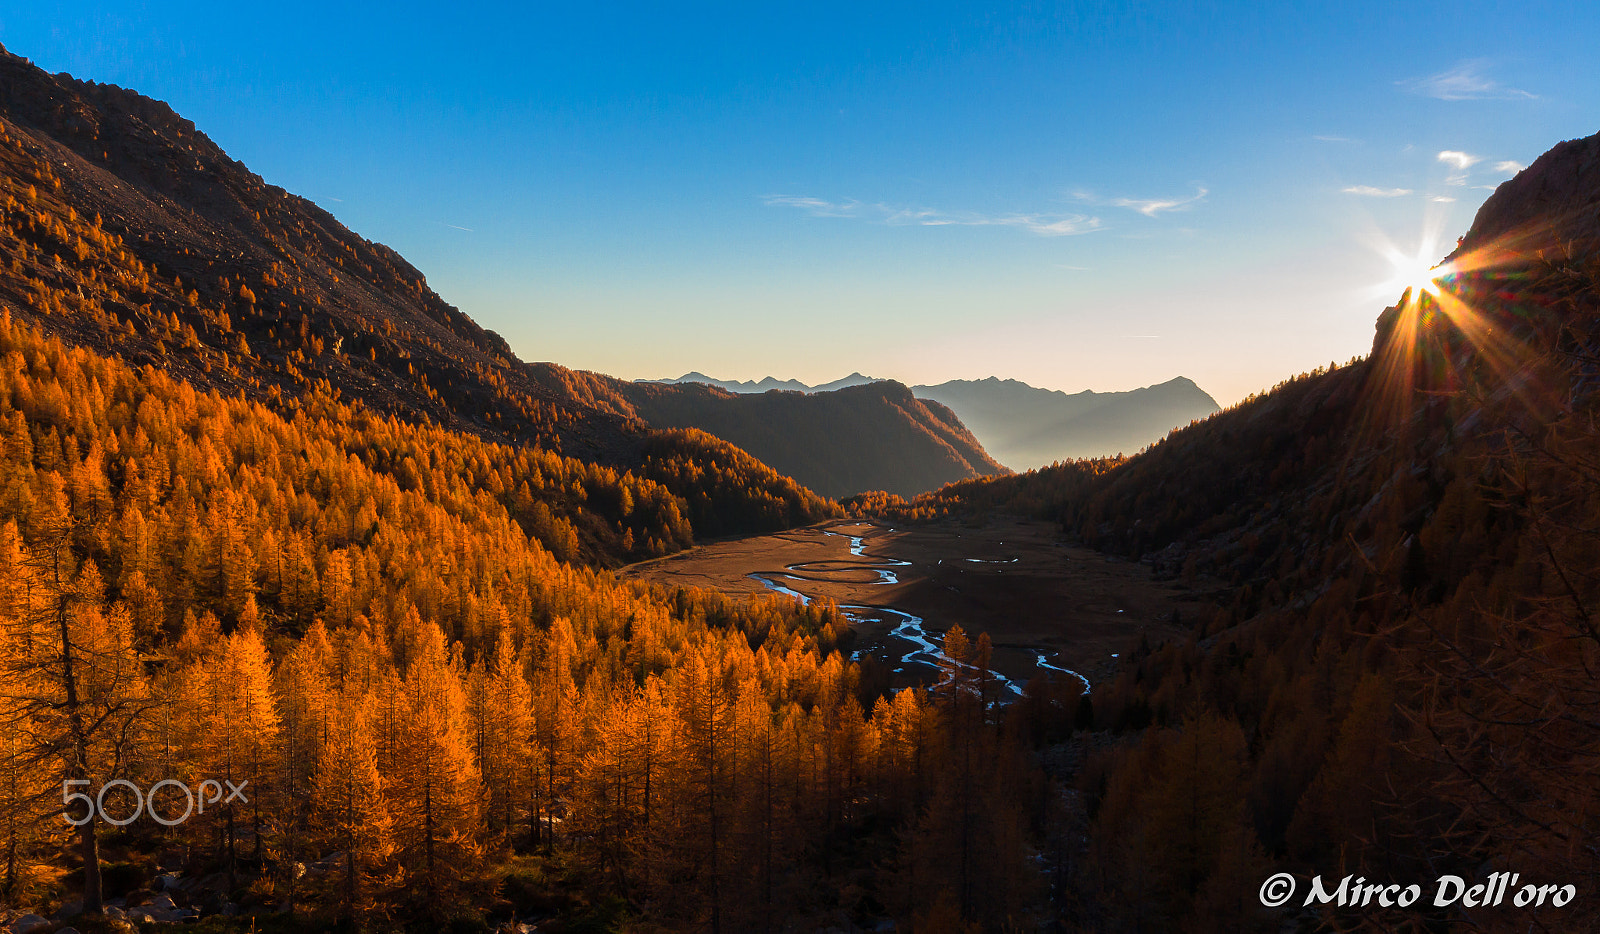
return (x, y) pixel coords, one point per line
(350, 813)
(433, 787)
(72, 685)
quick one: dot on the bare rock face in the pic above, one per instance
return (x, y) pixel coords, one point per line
(1548, 205)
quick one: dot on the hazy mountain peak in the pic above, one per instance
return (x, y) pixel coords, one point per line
(1024, 426)
(766, 383)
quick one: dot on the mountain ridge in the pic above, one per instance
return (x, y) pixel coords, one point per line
(803, 434)
(766, 383)
(130, 231)
(1024, 426)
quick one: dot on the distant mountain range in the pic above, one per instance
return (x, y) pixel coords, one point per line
(767, 384)
(1023, 426)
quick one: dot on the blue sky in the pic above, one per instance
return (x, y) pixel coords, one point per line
(1079, 196)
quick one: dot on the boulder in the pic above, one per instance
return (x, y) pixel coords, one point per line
(30, 924)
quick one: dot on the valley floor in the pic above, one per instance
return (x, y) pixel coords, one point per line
(1046, 605)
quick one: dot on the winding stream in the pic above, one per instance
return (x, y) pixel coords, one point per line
(908, 626)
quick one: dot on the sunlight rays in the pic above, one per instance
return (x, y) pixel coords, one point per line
(1451, 318)
(1416, 273)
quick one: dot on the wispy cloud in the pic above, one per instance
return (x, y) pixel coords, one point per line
(1043, 224)
(1149, 207)
(1509, 166)
(1465, 82)
(816, 207)
(1442, 199)
(1371, 192)
(457, 227)
(1153, 206)
(1461, 162)
(1333, 139)
(1048, 225)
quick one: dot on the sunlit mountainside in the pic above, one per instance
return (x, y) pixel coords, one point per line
(272, 514)
(131, 231)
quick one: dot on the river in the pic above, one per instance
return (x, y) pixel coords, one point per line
(908, 645)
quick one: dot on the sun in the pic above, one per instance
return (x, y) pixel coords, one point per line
(1416, 273)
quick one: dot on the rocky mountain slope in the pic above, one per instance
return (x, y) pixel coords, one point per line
(178, 256)
(1552, 204)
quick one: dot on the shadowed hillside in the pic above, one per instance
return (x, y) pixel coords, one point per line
(875, 436)
(1399, 682)
(1021, 426)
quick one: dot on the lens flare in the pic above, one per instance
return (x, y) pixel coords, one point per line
(1459, 325)
(1416, 274)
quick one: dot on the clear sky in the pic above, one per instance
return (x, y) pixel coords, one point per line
(1075, 195)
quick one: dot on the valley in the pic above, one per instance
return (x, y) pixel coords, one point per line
(1049, 607)
(503, 645)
